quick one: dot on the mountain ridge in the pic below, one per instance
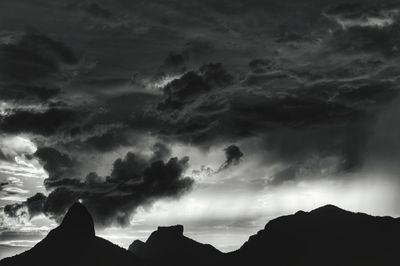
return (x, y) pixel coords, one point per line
(168, 243)
(327, 235)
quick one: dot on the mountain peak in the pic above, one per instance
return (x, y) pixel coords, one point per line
(166, 234)
(328, 209)
(78, 221)
(171, 230)
(74, 242)
(168, 246)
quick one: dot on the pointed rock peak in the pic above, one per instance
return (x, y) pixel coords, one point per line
(78, 221)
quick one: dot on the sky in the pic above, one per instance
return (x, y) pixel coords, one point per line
(218, 115)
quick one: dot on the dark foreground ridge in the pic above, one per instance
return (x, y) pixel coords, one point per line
(326, 236)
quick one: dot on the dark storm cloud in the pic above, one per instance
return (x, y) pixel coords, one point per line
(58, 165)
(175, 60)
(34, 69)
(32, 207)
(368, 39)
(297, 112)
(33, 66)
(160, 152)
(194, 84)
(120, 122)
(322, 73)
(193, 49)
(130, 167)
(365, 27)
(364, 15)
(109, 140)
(134, 181)
(46, 122)
(97, 11)
(233, 156)
(286, 175)
(2, 185)
(103, 15)
(314, 88)
(249, 113)
(198, 47)
(3, 157)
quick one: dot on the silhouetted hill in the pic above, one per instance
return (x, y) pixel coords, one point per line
(74, 243)
(168, 246)
(326, 236)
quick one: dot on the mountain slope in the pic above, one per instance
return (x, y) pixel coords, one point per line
(326, 236)
(168, 246)
(74, 243)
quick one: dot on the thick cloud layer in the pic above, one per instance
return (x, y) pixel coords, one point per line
(33, 66)
(135, 181)
(192, 85)
(313, 85)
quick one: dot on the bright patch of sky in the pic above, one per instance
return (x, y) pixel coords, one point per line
(383, 19)
(20, 176)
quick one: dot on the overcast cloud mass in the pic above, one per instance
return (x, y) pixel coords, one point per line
(212, 114)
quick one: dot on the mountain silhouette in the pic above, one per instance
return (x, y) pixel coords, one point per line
(327, 236)
(169, 246)
(74, 242)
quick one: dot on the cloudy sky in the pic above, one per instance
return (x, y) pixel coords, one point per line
(218, 115)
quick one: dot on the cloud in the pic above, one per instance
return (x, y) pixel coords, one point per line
(296, 112)
(97, 11)
(160, 152)
(193, 84)
(130, 167)
(364, 28)
(46, 122)
(58, 165)
(233, 156)
(2, 185)
(34, 71)
(175, 60)
(34, 67)
(192, 50)
(32, 207)
(109, 141)
(96, 15)
(196, 47)
(115, 199)
(14, 146)
(304, 80)
(349, 15)
(359, 40)
(135, 181)
(311, 168)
